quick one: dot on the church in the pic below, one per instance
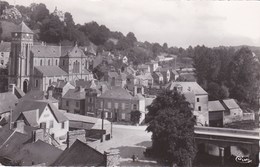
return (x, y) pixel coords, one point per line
(36, 66)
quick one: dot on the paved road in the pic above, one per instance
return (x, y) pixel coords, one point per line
(128, 140)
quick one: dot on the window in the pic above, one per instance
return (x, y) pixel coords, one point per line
(198, 99)
(67, 103)
(49, 81)
(63, 125)
(43, 125)
(51, 124)
(2, 54)
(123, 106)
(109, 114)
(108, 104)
(199, 108)
(36, 83)
(123, 115)
(134, 106)
(2, 62)
(56, 62)
(101, 104)
(77, 104)
(41, 62)
(90, 100)
(76, 67)
(116, 105)
(63, 62)
(49, 62)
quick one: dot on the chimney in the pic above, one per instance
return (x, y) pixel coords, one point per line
(11, 88)
(38, 134)
(135, 90)
(49, 94)
(20, 126)
(72, 136)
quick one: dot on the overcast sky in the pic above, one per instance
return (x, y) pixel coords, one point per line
(178, 23)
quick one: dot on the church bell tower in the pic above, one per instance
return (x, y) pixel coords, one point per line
(20, 59)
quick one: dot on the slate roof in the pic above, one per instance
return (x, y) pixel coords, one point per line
(230, 104)
(30, 153)
(117, 93)
(5, 47)
(50, 71)
(159, 74)
(80, 154)
(112, 74)
(23, 28)
(47, 51)
(13, 144)
(29, 105)
(31, 117)
(5, 132)
(187, 87)
(75, 94)
(7, 100)
(86, 119)
(215, 106)
(138, 97)
(38, 95)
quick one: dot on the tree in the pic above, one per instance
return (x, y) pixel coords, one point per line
(172, 125)
(52, 30)
(135, 116)
(39, 12)
(244, 76)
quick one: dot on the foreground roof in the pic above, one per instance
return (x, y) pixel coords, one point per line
(29, 154)
(80, 154)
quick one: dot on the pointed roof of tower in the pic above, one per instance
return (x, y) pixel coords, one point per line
(23, 28)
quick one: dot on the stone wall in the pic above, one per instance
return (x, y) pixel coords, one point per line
(76, 134)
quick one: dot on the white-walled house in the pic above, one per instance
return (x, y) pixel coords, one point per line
(196, 96)
(43, 114)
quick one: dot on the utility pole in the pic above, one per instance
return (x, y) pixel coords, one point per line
(102, 118)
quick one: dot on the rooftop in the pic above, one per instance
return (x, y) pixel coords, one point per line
(8, 101)
(50, 70)
(33, 106)
(187, 87)
(39, 95)
(77, 94)
(80, 154)
(215, 106)
(23, 28)
(231, 103)
(117, 93)
(30, 154)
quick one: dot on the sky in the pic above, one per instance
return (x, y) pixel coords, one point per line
(177, 22)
